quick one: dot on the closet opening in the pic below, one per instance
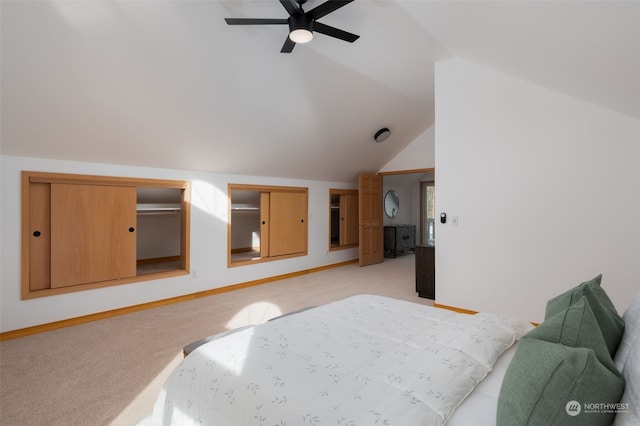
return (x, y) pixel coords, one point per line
(159, 228)
(343, 218)
(266, 223)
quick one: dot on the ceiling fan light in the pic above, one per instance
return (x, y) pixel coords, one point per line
(301, 35)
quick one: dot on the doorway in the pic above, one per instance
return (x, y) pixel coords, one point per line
(416, 189)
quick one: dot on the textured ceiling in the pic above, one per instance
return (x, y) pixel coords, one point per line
(168, 84)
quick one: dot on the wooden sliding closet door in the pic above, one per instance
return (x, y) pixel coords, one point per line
(265, 223)
(93, 234)
(348, 219)
(288, 229)
(40, 236)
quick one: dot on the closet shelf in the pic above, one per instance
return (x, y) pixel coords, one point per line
(244, 208)
(158, 208)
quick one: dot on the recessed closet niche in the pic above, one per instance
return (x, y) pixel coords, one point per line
(343, 214)
(266, 223)
(81, 231)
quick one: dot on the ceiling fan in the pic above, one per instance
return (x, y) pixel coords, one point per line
(302, 24)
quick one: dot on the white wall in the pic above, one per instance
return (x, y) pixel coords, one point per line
(245, 225)
(157, 236)
(420, 154)
(208, 242)
(546, 188)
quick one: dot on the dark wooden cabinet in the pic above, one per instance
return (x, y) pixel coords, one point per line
(399, 239)
(426, 271)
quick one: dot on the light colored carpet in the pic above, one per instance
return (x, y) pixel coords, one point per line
(109, 372)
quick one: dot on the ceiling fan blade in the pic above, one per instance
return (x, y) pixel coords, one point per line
(334, 32)
(255, 21)
(326, 8)
(288, 45)
(290, 6)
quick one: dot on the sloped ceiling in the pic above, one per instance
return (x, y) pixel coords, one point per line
(168, 84)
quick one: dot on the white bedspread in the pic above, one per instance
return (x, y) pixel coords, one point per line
(364, 360)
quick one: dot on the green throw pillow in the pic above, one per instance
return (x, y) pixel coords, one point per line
(577, 327)
(551, 384)
(610, 322)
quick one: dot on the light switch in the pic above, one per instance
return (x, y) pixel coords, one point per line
(454, 220)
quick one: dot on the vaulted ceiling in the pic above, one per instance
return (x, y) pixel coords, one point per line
(168, 84)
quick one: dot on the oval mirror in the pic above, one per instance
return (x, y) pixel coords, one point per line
(391, 203)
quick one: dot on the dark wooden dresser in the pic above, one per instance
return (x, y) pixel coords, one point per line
(426, 271)
(399, 239)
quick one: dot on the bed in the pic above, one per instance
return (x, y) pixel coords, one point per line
(364, 360)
